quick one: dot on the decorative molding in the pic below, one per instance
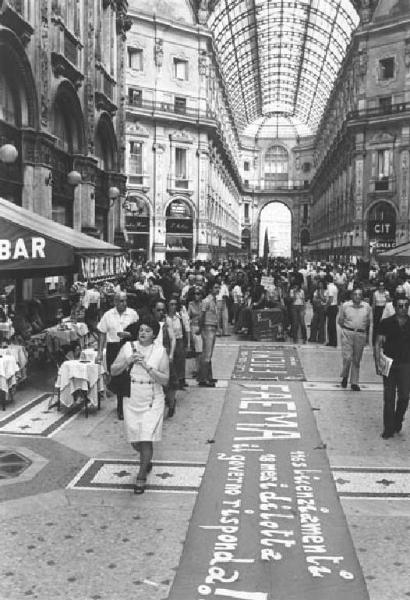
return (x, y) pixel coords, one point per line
(104, 103)
(382, 138)
(64, 68)
(181, 136)
(159, 52)
(12, 18)
(137, 130)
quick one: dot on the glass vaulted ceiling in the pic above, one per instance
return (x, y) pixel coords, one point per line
(281, 57)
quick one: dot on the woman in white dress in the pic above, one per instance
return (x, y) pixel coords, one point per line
(148, 366)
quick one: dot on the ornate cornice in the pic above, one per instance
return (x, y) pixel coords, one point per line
(64, 68)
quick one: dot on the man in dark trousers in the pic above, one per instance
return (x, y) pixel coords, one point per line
(393, 338)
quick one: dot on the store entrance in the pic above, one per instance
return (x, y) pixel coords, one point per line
(179, 230)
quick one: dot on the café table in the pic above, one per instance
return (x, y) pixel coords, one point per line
(80, 379)
(8, 377)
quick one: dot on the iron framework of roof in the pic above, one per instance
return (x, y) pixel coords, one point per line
(281, 56)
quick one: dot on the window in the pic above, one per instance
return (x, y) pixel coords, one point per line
(181, 180)
(305, 213)
(246, 182)
(385, 104)
(386, 68)
(135, 59)
(246, 165)
(180, 105)
(135, 97)
(180, 69)
(246, 211)
(276, 167)
(135, 162)
(383, 170)
(306, 167)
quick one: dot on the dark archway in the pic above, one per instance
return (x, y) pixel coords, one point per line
(106, 148)
(68, 118)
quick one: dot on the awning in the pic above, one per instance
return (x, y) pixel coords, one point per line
(33, 246)
(400, 255)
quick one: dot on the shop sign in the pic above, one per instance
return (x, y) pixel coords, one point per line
(102, 266)
(137, 224)
(378, 229)
(180, 226)
(22, 248)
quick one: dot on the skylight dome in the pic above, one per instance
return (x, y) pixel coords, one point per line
(281, 56)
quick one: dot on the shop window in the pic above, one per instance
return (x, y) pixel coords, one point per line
(135, 97)
(180, 69)
(135, 162)
(181, 180)
(386, 68)
(135, 59)
(180, 105)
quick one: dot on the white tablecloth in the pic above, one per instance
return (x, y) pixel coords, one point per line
(76, 375)
(20, 355)
(8, 371)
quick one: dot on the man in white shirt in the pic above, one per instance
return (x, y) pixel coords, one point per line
(111, 334)
(331, 311)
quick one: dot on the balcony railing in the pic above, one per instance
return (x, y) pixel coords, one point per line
(179, 183)
(139, 180)
(168, 107)
(269, 187)
(377, 111)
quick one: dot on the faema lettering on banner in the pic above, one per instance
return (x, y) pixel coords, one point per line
(102, 266)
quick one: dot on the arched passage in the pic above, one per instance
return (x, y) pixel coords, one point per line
(276, 219)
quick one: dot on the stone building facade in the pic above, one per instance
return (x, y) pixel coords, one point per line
(360, 191)
(182, 149)
(62, 107)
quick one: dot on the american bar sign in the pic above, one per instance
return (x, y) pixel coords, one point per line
(102, 266)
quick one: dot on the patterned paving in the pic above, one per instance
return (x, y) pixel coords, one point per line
(119, 475)
(36, 418)
(372, 482)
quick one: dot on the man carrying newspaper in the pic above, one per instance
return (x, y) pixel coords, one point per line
(392, 357)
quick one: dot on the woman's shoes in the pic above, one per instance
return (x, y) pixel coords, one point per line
(139, 486)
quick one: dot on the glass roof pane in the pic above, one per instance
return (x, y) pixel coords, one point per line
(281, 56)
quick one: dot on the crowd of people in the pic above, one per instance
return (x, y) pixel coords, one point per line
(162, 314)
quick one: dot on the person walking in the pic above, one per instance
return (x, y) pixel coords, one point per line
(331, 311)
(393, 339)
(319, 303)
(297, 310)
(208, 324)
(194, 312)
(380, 299)
(355, 319)
(166, 338)
(148, 368)
(112, 335)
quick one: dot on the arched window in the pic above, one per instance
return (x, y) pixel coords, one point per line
(103, 150)
(276, 167)
(382, 211)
